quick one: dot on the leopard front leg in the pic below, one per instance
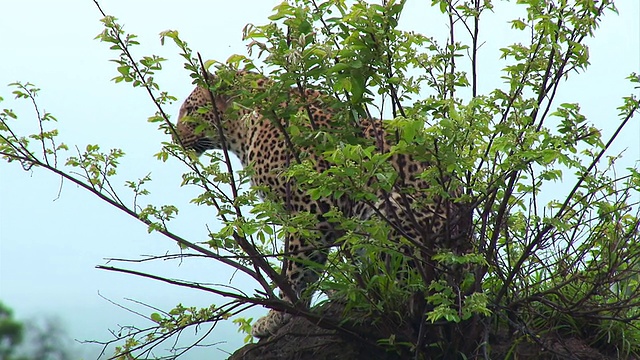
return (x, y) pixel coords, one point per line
(303, 268)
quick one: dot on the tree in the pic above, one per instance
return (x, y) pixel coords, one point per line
(46, 339)
(548, 272)
(11, 333)
(42, 340)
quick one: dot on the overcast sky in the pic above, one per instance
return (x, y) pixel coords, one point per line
(49, 246)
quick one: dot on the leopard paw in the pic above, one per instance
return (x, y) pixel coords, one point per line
(268, 325)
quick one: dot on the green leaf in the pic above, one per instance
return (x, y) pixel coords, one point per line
(518, 24)
(283, 10)
(124, 70)
(155, 317)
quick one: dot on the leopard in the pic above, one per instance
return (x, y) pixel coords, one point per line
(262, 143)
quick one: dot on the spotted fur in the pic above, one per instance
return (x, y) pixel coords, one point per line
(260, 143)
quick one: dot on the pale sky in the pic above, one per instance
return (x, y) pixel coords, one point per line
(49, 247)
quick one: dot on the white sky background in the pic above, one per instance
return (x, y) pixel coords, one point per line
(49, 247)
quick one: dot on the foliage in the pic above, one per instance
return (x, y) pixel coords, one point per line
(11, 333)
(35, 340)
(544, 266)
